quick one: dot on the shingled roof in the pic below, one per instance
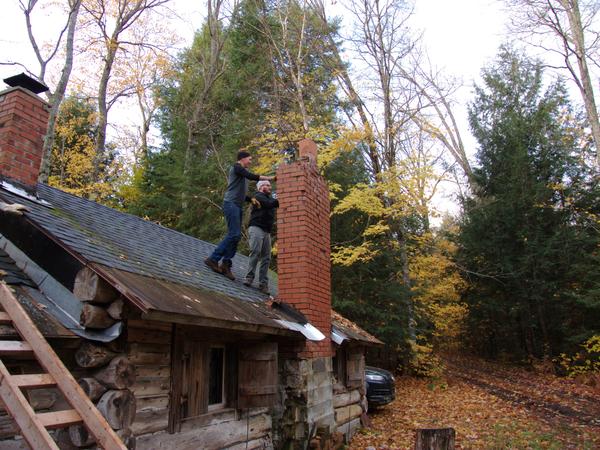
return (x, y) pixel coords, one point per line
(123, 241)
(159, 269)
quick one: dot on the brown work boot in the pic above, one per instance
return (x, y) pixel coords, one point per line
(264, 289)
(213, 265)
(226, 270)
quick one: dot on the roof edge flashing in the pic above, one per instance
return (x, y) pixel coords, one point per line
(58, 300)
(20, 192)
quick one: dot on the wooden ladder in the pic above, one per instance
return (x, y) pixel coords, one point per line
(34, 427)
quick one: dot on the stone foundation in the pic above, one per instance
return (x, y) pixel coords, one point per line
(306, 403)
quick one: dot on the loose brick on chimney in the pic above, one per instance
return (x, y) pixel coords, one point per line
(303, 256)
(23, 122)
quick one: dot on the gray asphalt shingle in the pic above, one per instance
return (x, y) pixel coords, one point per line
(126, 242)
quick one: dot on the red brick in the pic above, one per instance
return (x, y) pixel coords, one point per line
(23, 117)
(303, 253)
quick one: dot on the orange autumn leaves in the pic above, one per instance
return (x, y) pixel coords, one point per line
(482, 419)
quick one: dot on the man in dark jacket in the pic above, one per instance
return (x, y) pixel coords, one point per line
(237, 186)
(260, 226)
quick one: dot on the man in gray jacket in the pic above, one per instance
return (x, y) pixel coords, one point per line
(260, 226)
(235, 195)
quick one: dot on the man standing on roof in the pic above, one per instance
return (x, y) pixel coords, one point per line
(237, 186)
(259, 235)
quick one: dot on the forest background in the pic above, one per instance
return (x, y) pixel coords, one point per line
(512, 274)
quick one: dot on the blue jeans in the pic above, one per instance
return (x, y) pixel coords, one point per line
(228, 246)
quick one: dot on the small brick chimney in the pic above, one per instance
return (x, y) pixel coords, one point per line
(23, 122)
(303, 263)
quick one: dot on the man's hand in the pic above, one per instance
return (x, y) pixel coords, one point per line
(14, 208)
(255, 202)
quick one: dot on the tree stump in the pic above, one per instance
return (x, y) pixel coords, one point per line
(119, 374)
(435, 439)
(118, 408)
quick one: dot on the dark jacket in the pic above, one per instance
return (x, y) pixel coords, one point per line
(237, 184)
(264, 217)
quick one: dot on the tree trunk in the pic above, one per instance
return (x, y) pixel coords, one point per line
(89, 287)
(91, 355)
(410, 310)
(92, 388)
(119, 374)
(112, 47)
(59, 93)
(95, 317)
(587, 91)
(118, 407)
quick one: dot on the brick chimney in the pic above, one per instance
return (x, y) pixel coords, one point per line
(303, 263)
(23, 122)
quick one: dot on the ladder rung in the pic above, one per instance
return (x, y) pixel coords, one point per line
(14, 347)
(4, 318)
(33, 381)
(59, 419)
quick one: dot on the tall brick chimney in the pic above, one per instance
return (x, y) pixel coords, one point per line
(23, 122)
(303, 263)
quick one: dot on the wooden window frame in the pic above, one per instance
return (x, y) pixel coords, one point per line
(239, 391)
(339, 367)
(355, 367)
(180, 369)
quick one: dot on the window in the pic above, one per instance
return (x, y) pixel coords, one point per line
(339, 365)
(216, 378)
(348, 366)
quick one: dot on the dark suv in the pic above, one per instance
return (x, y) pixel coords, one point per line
(380, 386)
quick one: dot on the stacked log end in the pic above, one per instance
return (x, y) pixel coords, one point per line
(103, 305)
(107, 383)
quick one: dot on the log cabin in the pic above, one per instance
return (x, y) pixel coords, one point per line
(172, 354)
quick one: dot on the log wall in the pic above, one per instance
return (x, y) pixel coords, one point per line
(149, 350)
(349, 406)
(223, 430)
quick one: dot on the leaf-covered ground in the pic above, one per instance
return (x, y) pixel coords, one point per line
(490, 407)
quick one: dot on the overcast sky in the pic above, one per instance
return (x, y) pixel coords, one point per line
(461, 35)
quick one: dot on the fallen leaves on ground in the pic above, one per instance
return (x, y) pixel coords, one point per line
(490, 407)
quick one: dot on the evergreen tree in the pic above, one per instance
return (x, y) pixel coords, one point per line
(524, 240)
(183, 182)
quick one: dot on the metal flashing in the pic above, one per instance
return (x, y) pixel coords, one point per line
(57, 299)
(337, 335)
(309, 331)
(23, 194)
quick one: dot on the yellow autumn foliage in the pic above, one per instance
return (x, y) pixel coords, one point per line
(437, 288)
(73, 154)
